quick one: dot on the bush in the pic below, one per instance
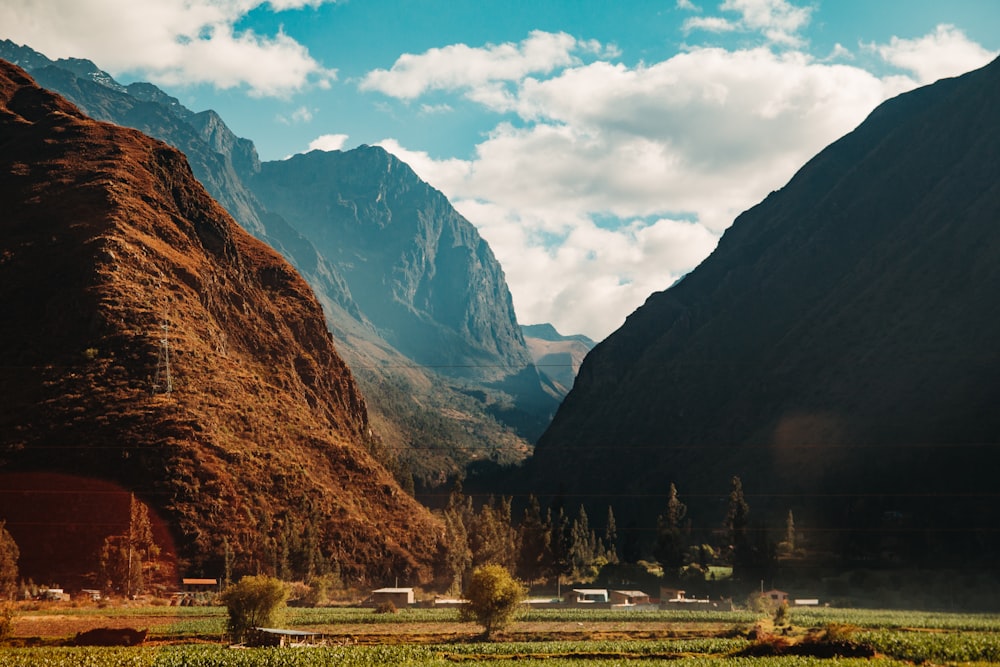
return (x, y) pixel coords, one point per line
(254, 602)
(386, 607)
(6, 621)
(493, 597)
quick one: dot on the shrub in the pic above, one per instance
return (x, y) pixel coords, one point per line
(6, 621)
(386, 607)
(252, 603)
(493, 597)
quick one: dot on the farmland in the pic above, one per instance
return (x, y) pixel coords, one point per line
(193, 637)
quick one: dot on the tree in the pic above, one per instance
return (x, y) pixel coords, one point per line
(534, 553)
(254, 602)
(491, 536)
(9, 554)
(493, 597)
(787, 546)
(611, 536)
(737, 523)
(458, 556)
(125, 558)
(669, 550)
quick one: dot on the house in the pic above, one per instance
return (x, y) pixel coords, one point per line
(399, 597)
(775, 596)
(587, 596)
(629, 598)
(671, 594)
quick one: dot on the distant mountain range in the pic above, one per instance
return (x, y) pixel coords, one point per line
(838, 352)
(415, 298)
(558, 357)
(150, 342)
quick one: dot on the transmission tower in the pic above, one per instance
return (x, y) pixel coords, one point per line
(163, 383)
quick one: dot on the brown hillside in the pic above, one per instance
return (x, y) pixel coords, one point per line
(109, 247)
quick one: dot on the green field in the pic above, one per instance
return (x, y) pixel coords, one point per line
(192, 637)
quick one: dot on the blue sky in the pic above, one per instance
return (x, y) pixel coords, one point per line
(601, 148)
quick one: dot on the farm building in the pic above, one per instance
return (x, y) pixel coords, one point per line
(586, 596)
(629, 597)
(671, 594)
(399, 597)
(282, 637)
(776, 596)
(194, 585)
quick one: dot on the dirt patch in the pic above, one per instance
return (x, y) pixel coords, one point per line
(66, 626)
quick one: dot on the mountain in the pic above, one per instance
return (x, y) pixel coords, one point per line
(419, 271)
(837, 351)
(151, 343)
(556, 356)
(462, 389)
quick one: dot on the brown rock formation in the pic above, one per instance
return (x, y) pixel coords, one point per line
(115, 267)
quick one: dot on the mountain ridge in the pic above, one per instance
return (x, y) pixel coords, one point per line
(836, 341)
(498, 417)
(153, 343)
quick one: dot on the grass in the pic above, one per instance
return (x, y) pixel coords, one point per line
(583, 638)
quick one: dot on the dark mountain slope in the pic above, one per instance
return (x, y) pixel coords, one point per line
(113, 258)
(840, 340)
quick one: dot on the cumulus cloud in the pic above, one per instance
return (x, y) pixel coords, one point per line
(302, 114)
(461, 67)
(617, 180)
(170, 42)
(945, 52)
(778, 20)
(328, 142)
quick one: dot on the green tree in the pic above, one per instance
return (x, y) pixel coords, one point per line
(737, 527)
(611, 537)
(670, 542)
(584, 547)
(126, 559)
(9, 554)
(534, 543)
(787, 546)
(254, 602)
(458, 556)
(493, 597)
(492, 538)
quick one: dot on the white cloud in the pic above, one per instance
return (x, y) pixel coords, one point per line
(328, 142)
(777, 20)
(709, 24)
(302, 114)
(943, 53)
(170, 42)
(618, 180)
(458, 66)
(687, 5)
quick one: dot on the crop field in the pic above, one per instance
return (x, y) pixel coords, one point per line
(193, 637)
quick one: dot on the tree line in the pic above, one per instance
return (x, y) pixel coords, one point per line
(554, 545)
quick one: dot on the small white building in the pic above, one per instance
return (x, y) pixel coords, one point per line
(399, 597)
(587, 596)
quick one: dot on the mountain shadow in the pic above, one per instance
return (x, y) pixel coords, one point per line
(837, 351)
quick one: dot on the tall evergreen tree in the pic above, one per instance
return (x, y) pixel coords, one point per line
(737, 527)
(458, 557)
(581, 545)
(534, 550)
(611, 536)
(670, 541)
